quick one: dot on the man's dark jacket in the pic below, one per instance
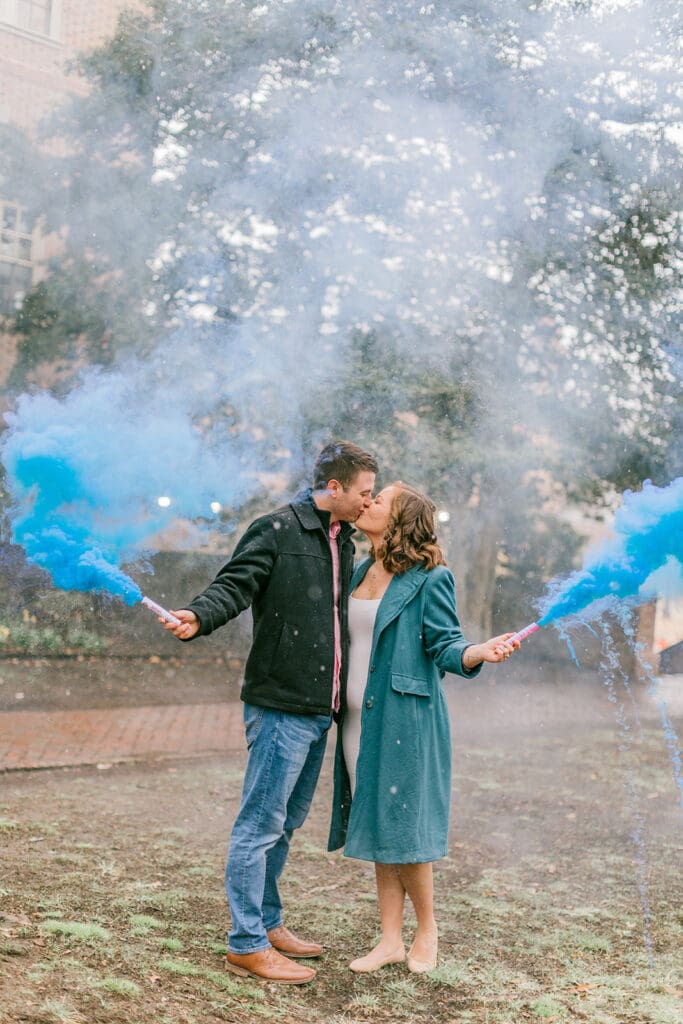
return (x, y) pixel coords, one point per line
(282, 567)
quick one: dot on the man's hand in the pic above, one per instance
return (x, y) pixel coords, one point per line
(188, 626)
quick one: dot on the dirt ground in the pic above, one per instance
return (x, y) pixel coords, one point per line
(560, 900)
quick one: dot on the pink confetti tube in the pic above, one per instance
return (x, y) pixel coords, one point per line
(524, 633)
(161, 612)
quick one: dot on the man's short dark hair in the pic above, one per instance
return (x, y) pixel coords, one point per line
(341, 461)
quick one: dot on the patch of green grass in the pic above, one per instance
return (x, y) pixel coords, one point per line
(593, 943)
(57, 1010)
(665, 1009)
(494, 978)
(401, 990)
(364, 1002)
(143, 924)
(181, 967)
(201, 872)
(588, 912)
(452, 974)
(121, 987)
(547, 1007)
(167, 901)
(563, 941)
(216, 978)
(80, 930)
(223, 981)
(6, 825)
(218, 947)
(171, 945)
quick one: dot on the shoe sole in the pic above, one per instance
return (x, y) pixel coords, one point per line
(298, 956)
(242, 972)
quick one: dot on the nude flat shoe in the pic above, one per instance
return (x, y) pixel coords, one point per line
(372, 962)
(423, 966)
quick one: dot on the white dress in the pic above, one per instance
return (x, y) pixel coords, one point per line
(362, 616)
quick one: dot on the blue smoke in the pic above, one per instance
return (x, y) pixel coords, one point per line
(85, 474)
(642, 559)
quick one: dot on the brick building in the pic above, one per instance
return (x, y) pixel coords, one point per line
(37, 39)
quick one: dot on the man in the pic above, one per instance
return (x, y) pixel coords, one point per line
(293, 567)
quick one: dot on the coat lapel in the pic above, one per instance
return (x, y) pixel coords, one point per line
(399, 592)
(397, 595)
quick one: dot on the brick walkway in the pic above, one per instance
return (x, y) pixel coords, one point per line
(50, 739)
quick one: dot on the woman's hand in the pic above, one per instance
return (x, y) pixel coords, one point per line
(498, 648)
(188, 626)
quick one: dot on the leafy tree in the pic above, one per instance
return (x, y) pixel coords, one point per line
(447, 230)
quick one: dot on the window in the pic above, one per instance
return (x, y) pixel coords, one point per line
(16, 257)
(38, 16)
(34, 15)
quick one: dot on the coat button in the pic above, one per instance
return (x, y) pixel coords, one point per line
(372, 668)
(369, 702)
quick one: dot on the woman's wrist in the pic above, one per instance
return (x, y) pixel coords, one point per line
(471, 657)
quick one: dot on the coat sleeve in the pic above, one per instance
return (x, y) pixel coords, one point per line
(442, 636)
(240, 580)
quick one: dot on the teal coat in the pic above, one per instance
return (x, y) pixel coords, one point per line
(399, 813)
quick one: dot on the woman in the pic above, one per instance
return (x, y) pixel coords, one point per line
(393, 758)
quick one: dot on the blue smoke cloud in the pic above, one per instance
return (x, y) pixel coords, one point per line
(644, 558)
(85, 475)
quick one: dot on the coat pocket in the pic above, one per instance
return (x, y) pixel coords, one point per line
(303, 652)
(409, 684)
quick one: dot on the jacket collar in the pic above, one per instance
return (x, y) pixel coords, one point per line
(400, 591)
(310, 517)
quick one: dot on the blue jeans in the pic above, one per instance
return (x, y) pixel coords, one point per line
(284, 760)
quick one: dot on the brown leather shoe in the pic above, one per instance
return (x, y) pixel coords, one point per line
(287, 943)
(268, 965)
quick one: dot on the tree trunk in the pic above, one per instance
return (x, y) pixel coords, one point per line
(471, 540)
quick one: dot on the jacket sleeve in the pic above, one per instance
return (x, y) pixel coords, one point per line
(240, 580)
(442, 636)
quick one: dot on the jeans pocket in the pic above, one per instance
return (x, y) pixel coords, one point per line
(253, 717)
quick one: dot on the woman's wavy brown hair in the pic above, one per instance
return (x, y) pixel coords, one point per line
(410, 537)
